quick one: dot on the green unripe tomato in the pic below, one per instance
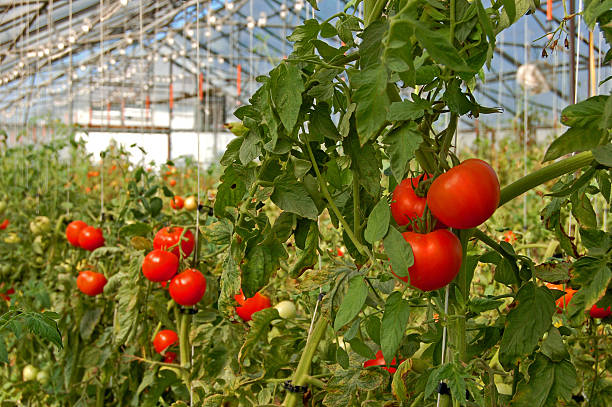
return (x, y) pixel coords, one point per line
(29, 373)
(40, 225)
(42, 377)
(12, 238)
(286, 309)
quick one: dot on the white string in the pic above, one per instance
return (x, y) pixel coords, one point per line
(101, 107)
(444, 333)
(525, 121)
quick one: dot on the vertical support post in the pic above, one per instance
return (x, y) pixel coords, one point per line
(572, 44)
(592, 74)
(170, 109)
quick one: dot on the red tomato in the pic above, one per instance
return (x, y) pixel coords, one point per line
(437, 259)
(167, 237)
(4, 224)
(164, 284)
(91, 238)
(188, 288)
(249, 306)
(91, 283)
(92, 174)
(73, 230)
(406, 205)
(341, 251)
(380, 361)
(466, 195)
(595, 311)
(177, 202)
(170, 357)
(562, 301)
(160, 265)
(172, 182)
(164, 339)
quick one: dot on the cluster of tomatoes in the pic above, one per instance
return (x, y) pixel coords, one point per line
(80, 234)
(190, 203)
(462, 198)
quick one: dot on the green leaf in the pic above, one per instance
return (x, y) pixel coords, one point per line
(371, 48)
(408, 110)
(378, 222)
(229, 285)
(504, 272)
(230, 192)
(291, 196)
(286, 92)
(135, 229)
(261, 262)
(573, 140)
(453, 375)
(250, 148)
(526, 323)
(593, 9)
(596, 241)
(322, 124)
(218, 232)
(593, 274)
(352, 303)
(553, 272)
(548, 382)
(394, 322)
(365, 163)
(402, 144)
(583, 210)
(308, 242)
(485, 21)
(603, 154)
(156, 205)
(260, 327)
(553, 346)
(3, 351)
(361, 348)
(479, 305)
(372, 100)
(439, 48)
(89, 320)
(283, 226)
(399, 252)
(587, 114)
(342, 358)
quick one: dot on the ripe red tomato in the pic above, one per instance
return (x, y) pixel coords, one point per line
(170, 357)
(91, 238)
(562, 301)
(595, 311)
(4, 224)
(466, 195)
(177, 202)
(188, 288)
(93, 174)
(406, 205)
(164, 339)
(73, 230)
(437, 259)
(341, 251)
(167, 237)
(91, 283)
(380, 361)
(249, 306)
(160, 265)
(172, 182)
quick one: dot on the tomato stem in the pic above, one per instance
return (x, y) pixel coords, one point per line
(544, 174)
(300, 377)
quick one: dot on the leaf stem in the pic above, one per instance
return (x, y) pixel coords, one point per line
(332, 205)
(544, 174)
(300, 376)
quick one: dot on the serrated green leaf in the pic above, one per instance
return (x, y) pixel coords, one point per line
(260, 327)
(399, 252)
(573, 140)
(378, 222)
(135, 229)
(352, 303)
(393, 326)
(291, 196)
(526, 323)
(286, 92)
(402, 144)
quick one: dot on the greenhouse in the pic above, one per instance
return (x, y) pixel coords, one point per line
(292, 203)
